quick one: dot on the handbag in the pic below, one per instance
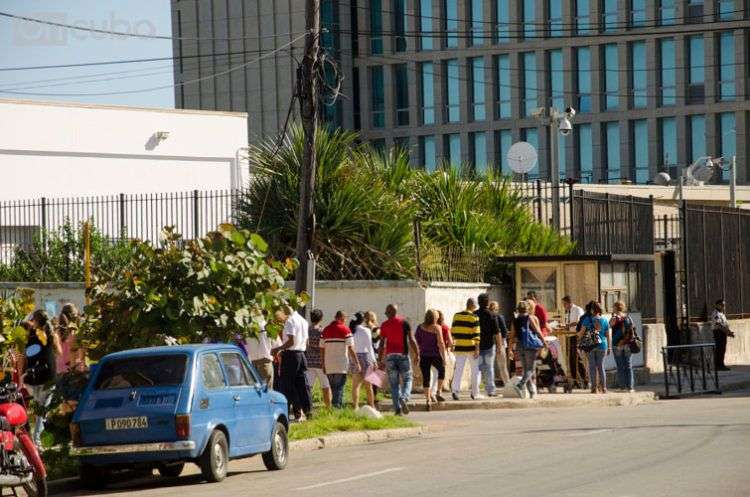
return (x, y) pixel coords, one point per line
(635, 343)
(375, 377)
(590, 340)
(529, 339)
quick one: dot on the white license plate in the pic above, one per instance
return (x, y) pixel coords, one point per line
(134, 423)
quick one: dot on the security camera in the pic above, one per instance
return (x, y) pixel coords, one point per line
(570, 112)
(565, 127)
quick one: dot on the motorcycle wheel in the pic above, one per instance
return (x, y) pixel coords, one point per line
(36, 487)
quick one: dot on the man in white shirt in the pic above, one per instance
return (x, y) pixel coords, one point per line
(720, 327)
(292, 379)
(259, 352)
(573, 313)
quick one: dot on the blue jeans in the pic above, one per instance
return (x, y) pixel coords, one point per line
(528, 359)
(624, 367)
(596, 368)
(486, 365)
(398, 367)
(337, 382)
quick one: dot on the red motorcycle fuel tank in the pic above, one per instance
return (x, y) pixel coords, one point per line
(14, 413)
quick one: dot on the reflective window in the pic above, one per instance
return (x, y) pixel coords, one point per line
(667, 12)
(727, 88)
(479, 151)
(399, 24)
(728, 139)
(668, 77)
(640, 151)
(637, 13)
(503, 20)
(237, 373)
(377, 97)
(505, 141)
(555, 17)
(211, 372)
(638, 73)
(402, 95)
(426, 24)
(530, 103)
(451, 23)
(452, 85)
(557, 79)
(697, 137)
(477, 88)
(725, 10)
(611, 77)
(428, 93)
(376, 27)
(583, 63)
(609, 15)
(503, 86)
(668, 139)
(428, 151)
(477, 22)
(453, 149)
(529, 18)
(612, 146)
(531, 135)
(697, 60)
(585, 152)
(583, 17)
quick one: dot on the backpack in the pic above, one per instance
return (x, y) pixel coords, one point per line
(635, 341)
(528, 339)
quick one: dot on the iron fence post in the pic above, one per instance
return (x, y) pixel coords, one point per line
(196, 219)
(666, 375)
(43, 206)
(539, 215)
(570, 207)
(417, 246)
(608, 224)
(703, 367)
(123, 228)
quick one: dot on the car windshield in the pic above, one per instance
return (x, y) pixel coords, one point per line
(144, 371)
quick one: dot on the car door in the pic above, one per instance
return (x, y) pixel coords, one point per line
(250, 404)
(213, 403)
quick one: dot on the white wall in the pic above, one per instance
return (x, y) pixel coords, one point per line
(68, 150)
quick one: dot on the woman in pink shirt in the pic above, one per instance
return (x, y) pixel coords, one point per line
(71, 358)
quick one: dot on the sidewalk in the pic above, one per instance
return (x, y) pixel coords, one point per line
(729, 381)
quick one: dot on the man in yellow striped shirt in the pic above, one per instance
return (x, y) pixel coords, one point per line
(465, 333)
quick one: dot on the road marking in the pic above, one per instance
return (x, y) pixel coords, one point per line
(353, 478)
(587, 432)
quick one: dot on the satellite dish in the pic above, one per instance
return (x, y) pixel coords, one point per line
(522, 157)
(701, 170)
(662, 179)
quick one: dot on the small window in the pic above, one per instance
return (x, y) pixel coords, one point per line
(144, 371)
(237, 372)
(211, 372)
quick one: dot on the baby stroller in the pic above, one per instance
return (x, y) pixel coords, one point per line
(550, 373)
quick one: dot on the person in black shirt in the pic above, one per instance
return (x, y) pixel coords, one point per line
(501, 362)
(490, 339)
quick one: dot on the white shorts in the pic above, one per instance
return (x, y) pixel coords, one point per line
(317, 373)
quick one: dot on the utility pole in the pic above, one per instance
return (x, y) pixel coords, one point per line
(554, 170)
(307, 91)
(733, 183)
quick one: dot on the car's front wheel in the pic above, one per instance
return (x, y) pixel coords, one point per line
(171, 470)
(277, 457)
(215, 457)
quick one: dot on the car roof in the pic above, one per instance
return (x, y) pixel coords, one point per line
(190, 349)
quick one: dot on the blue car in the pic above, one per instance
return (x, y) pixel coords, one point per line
(162, 407)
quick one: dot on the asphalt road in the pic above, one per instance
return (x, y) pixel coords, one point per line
(698, 447)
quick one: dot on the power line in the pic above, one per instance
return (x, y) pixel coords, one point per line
(134, 61)
(155, 88)
(138, 35)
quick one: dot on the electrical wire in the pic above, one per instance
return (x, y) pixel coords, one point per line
(138, 35)
(155, 88)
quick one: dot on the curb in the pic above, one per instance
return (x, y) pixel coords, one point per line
(348, 439)
(545, 401)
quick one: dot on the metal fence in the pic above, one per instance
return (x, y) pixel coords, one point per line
(604, 224)
(25, 224)
(690, 370)
(667, 232)
(716, 260)
(538, 197)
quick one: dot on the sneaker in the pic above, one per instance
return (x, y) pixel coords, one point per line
(440, 398)
(397, 413)
(632, 390)
(454, 396)
(493, 394)
(532, 394)
(518, 390)
(478, 397)
(404, 406)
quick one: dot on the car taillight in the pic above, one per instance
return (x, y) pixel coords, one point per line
(182, 425)
(75, 434)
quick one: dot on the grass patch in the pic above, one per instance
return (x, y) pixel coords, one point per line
(327, 421)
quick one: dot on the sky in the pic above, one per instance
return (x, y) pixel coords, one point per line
(25, 44)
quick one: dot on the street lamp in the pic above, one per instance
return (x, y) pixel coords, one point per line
(561, 122)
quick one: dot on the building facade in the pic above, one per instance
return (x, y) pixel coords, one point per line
(656, 83)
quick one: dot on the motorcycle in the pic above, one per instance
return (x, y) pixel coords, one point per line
(20, 462)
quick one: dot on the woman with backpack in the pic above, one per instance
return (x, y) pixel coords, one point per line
(595, 338)
(623, 335)
(526, 340)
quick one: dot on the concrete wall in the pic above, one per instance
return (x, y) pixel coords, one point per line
(50, 296)
(654, 338)
(738, 348)
(67, 150)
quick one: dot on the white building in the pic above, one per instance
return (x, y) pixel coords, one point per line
(56, 149)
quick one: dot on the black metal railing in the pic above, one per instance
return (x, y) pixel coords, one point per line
(690, 370)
